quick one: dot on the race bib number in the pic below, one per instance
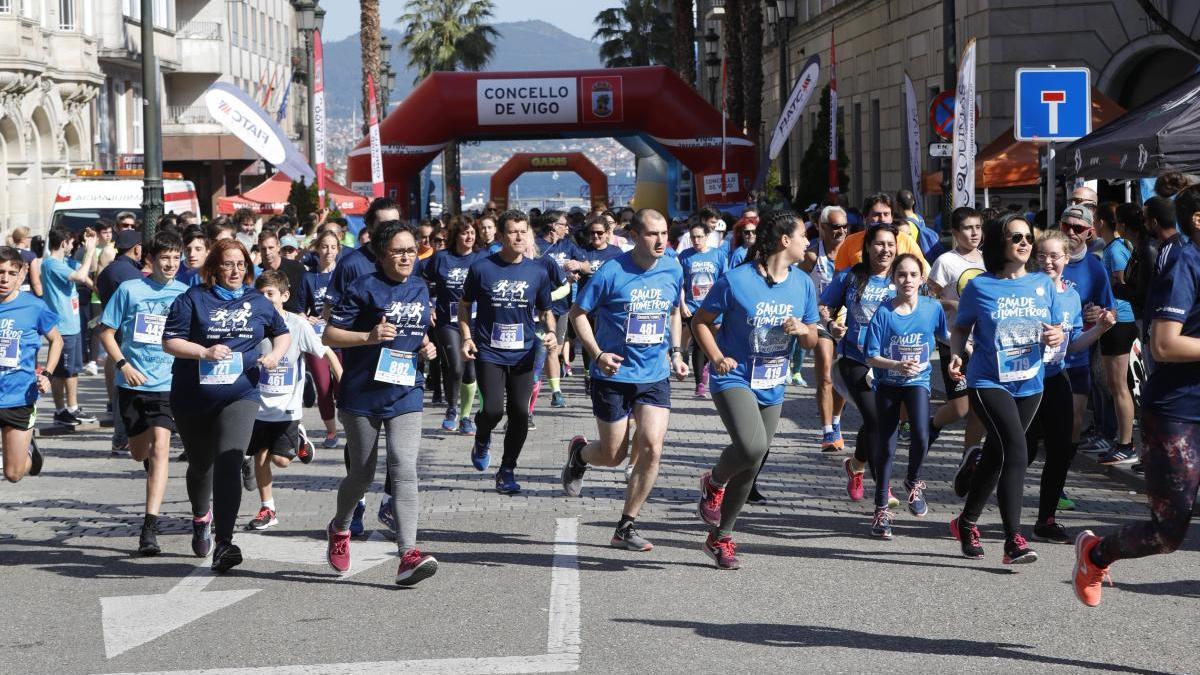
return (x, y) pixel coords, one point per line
(225, 371)
(396, 367)
(768, 372)
(910, 353)
(148, 328)
(10, 352)
(508, 336)
(645, 329)
(1055, 355)
(279, 380)
(1017, 364)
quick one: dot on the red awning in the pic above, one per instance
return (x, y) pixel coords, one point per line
(271, 196)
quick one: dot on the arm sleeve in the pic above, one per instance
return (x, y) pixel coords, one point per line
(179, 318)
(470, 289)
(309, 342)
(942, 331)
(588, 297)
(835, 292)
(276, 325)
(875, 333)
(344, 314)
(47, 320)
(115, 309)
(968, 307)
(1173, 292)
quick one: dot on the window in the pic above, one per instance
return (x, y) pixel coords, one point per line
(254, 30)
(66, 14)
(246, 27)
(5, 6)
(234, 26)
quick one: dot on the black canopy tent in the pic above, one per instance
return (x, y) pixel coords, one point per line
(1159, 136)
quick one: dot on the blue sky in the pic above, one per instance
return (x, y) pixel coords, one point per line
(573, 16)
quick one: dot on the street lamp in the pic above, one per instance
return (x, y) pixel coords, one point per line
(306, 22)
(713, 60)
(784, 13)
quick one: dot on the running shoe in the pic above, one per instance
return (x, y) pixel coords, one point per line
(84, 416)
(330, 442)
(1051, 532)
(893, 503)
(722, 550)
(966, 470)
(629, 538)
(357, 528)
(837, 435)
(337, 552)
(916, 498)
(557, 400)
(1087, 576)
(881, 526)
(830, 442)
(466, 427)
(701, 390)
(798, 379)
(755, 497)
(575, 468)
(35, 458)
(450, 423)
(385, 515)
(148, 539)
(968, 538)
(711, 498)
(1017, 551)
(304, 447)
(480, 457)
(226, 556)
(905, 432)
(265, 518)
(1065, 503)
(1097, 446)
(90, 368)
(64, 418)
(854, 481)
(1121, 454)
(532, 424)
(506, 482)
(202, 534)
(248, 480)
(415, 567)
(119, 450)
(567, 370)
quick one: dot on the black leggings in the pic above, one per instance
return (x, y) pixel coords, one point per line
(889, 399)
(699, 361)
(854, 376)
(497, 382)
(1052, 424)
(455, 369)
(216, 443)
(1005, 456)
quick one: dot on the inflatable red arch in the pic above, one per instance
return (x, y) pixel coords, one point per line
(652, 102)
(525, 162)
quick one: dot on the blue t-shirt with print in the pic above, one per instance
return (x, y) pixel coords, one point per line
(1072, 325)
(560, 252)
(1090, 280)
(1007, 317)
(200, 315)
(752, 331)
(23, 321)
(507, 297)
(632, 308)
(906, 337)
(1173, 389)
(700, 274)
(383, 380)
(61, 294)
(138, 312)
(860, 308)
(1115, 259)
(313, 290)
(446, 273)
(738, 257)
(596, 257)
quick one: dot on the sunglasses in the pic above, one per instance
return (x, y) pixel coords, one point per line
(842, 226)
(1077, 229)
(598, 233)
(439, 240)
(1017, 237)
(749, 233)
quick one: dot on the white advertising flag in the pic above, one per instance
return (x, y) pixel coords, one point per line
(964, 130)
(914, 135)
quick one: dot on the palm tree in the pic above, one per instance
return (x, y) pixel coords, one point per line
(637, 33)
(752, 67)
(448, 35)
(684, 40)
(731, 35)
(369, 41)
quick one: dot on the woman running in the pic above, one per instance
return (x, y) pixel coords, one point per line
(818, 262)
(445, 272)
(1011, 315)
(1053, 421)
(598, 250)
(508, 289)
(902, 335)
(213, 331)
(765, 304)
(702, 267)
(485, 234)
(327, 247)
(380, 325)
(745, 232)
(860, 290)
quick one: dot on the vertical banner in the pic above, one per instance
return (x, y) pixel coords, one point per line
(914, 135)
(964, 130)
(318, 129)
(834, 186)
(376, 149)
(287, 90)
(801, 93)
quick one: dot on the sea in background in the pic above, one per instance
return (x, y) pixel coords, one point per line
(538, 187)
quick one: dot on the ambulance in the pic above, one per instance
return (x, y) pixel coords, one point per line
(92, 194)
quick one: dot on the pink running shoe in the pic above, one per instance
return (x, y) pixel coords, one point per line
(415, 567)
(711, 498)
(854, 481)
(338, 552)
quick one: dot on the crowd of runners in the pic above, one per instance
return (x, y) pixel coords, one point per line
(223, 332)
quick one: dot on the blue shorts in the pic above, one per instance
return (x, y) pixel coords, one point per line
(71, 361)
(614, 401)
(1081, 380)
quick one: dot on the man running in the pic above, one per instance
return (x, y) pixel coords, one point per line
(557, 245)
(636, 303)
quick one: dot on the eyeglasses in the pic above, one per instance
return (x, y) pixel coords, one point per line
(749, 233)
(597, 233)
(234, 265)
(402, 252)
(1017, 237)
(837, 226)
(1077, 229)
(1050, 257)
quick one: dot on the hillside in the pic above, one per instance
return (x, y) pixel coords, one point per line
(523, 45)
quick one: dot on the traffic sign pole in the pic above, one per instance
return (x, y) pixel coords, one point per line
(1051, 216)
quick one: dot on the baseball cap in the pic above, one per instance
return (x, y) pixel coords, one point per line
(1079, 212)
(127, 239)
(289, 242)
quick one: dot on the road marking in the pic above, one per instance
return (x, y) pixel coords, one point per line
(563, 641)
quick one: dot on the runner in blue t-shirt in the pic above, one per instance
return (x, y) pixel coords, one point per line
(138, 310)
(380, 322)
(765, 306)
(24, 319)
(634, 300)
(702, 267)
(327, 248)
(901, 339)
(598, 251)
(818, 263)
(60, 273)
(446, 273)
(214, 331)
(1011, 315)
(508, 290)
(860, 289)
(1117, 343)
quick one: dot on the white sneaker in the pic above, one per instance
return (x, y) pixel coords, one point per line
(90, 368)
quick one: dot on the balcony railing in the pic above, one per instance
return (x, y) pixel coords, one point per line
(184, 114)
(201, 30)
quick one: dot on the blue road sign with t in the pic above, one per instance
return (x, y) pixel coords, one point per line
(1053, 104)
